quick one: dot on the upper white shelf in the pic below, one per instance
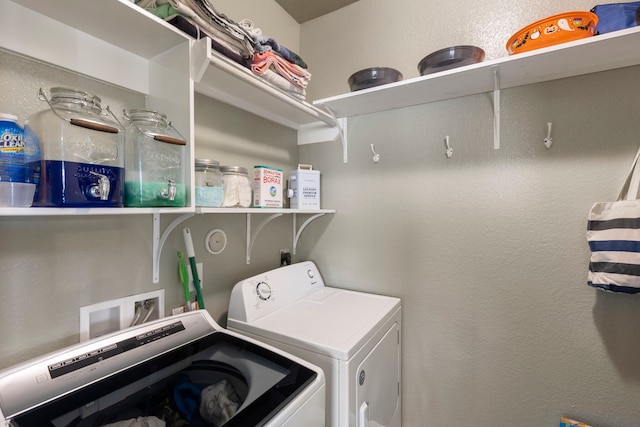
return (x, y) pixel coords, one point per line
(101, 38)
(117, 22)
(221, 78)
(119, 25)
(113, 41)
(599, 53)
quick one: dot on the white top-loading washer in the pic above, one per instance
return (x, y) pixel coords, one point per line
(161, 370)
(353, 336)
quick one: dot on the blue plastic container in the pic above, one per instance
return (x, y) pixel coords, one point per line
(617, 16)
(19, 163)
(12, 164)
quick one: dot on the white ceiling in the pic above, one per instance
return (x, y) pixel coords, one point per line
(305, 10)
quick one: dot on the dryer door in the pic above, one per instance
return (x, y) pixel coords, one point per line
(378, 383)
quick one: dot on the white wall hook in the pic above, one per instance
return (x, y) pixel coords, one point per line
(376, 156)
(548, 140)
(449, 149)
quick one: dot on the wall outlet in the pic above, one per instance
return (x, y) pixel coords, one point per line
(111, 316)
(285, 257)
(200, 268)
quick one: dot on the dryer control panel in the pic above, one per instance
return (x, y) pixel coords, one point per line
(265, 293)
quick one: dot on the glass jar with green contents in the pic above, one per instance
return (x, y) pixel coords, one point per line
(154, 161)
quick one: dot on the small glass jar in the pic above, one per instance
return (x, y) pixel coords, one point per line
(237, 187)
(209, 188)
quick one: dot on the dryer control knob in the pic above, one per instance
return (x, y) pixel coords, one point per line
(263, 290)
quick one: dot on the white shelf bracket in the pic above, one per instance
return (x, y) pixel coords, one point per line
(298, 232)
(200, 52)
(252, 238)
(342, 128)
(496, 109)
(158, 240)
(312, 133)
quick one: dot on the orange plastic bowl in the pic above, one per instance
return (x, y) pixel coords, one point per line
(553, 30)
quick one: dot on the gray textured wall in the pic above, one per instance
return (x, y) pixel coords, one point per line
(487, 249)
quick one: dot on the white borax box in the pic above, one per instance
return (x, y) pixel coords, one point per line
(267, 187)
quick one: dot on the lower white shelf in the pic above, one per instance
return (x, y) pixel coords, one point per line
(160, 236)
(263, 211)
(26, 212)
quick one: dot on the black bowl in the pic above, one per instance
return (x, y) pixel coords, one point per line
(371, 77)
(450, 57)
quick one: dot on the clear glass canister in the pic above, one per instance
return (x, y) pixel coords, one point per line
(154, 161)
(237, 186)
(209, 188)
(82, 151)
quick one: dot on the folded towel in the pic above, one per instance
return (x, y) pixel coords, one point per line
(189, 27)
(276, 47)
(224, 30)
(279, 82)
(269, 43)
(270, 61)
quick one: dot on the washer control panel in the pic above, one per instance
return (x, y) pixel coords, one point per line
(259, 295)
(263, 290)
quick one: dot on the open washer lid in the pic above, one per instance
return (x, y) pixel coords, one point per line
(291, 305)
(141, 370)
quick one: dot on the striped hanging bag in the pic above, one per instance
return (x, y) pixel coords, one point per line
(613, 233)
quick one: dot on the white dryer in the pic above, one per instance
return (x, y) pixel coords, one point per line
(183, 370)
(353, 336)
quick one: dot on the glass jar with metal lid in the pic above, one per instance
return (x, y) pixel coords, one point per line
(237, 186)
(154, 161)
(82, 151)
(209, 188)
